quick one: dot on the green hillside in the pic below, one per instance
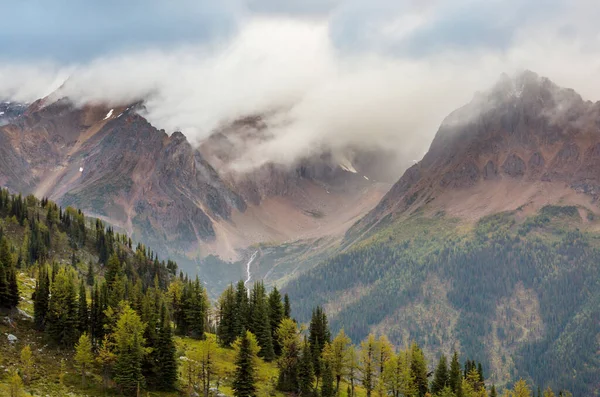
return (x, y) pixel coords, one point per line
(84, 313)
(520, 292)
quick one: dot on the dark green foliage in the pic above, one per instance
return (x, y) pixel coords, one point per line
(227, 311)
(240, 317)
(455, 376)
(493, 392)
(441, 377)
(89, 278)
(13, 288)
(62, 320)
(287, 308)
(276, 313)
(166, 362)
(191, 310)
(418, 369)
(244, 384)
(306, 373)
(258, 321)
(82, 307)
(318, 336)
(128, 371)
(196, 309)
(9, 290)
(327, 389)
(41, 297)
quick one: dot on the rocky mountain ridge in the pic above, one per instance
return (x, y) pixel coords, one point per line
(111, 162)
(524, 143)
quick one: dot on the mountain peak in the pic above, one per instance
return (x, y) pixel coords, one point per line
(523, 138)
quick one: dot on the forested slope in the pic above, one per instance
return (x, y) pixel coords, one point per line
(520, 292)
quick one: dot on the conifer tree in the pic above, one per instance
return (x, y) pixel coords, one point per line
(129, 351)
(547, 393)
(455, 377)
(418, 367)
(305, 371)
(441, 376)
(327, 389)
(41, 297)
(290, 356)
(83, 355)
(244, 383)
(368, 365)
(97, 315)
(89, 278)
(287, 308)
(4, 295)
(83, 309)
(493, 392)
(240, 318)
(13, 288)
(276, 314)
(165, 354)
(197, 310)
(318, 336)
(26, 363)
(62, 321)
(106, 358)
(5, 274)
(521, 389)
(259, 321)
(204, 359)
(337, 353)
(225, 328)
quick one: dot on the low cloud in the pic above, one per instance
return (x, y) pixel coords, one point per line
(328, 82)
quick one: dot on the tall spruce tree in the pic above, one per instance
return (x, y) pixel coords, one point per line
(13, 288)
(62, 321)
(493, 392)
(240, 318)
(129, 350)
(441, 376)
(225, 328)
(306, 375)
(5, 274)
(290, 356)
(244, 382)
(418, 368)
(327, 389)
(276, 314)
(89, 278)
(197, 310)
(287, 308)
(165, 354)
(259, 321)
(41, 297)
(318, 336)
(455, 377)
(82, 307)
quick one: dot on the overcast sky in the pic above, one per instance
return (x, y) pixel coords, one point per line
(346, 71)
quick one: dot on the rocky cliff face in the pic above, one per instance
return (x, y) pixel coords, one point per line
(527, 140)
(112, 163)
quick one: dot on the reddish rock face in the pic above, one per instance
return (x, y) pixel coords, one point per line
(112, 163)
(524, 130)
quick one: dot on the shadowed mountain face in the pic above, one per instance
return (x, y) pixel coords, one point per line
(526, 142)
(181, 200)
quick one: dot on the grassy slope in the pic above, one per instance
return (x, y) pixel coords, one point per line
(47, 368)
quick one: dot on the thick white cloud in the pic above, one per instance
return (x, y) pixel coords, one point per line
(348, 76)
